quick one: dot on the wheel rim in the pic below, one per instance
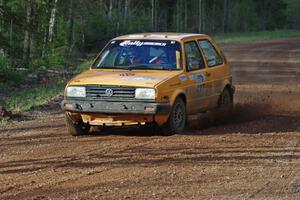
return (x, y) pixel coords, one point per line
(178, 117)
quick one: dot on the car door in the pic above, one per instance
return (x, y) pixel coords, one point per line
(195, 67)
(215, 73)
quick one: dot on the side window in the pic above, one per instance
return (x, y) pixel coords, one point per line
(193, 58)
(211, 55)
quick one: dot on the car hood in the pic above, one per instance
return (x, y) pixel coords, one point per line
(148, 78)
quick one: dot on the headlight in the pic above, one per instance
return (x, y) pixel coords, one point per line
(145, 93)
(73, 91)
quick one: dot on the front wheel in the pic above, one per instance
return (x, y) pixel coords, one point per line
(76, 128)
(177, 119)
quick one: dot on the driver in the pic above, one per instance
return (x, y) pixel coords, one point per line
(135, 58)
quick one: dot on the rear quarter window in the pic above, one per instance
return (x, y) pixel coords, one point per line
(211, 55)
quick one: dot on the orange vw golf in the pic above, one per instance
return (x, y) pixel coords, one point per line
(149, 78)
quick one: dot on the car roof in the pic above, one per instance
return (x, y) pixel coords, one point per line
(162, 36)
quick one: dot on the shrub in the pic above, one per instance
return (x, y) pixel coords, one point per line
(7, 74)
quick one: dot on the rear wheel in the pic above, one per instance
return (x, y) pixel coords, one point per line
(76, 128)
(177, 119)
(225, 105)
(226, 99)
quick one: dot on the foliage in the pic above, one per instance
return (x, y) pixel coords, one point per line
(4, 66)
(54, 60)
(26, 99)
(7, 74)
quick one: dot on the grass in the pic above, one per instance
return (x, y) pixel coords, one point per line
(21, 100)
(4, 122)
(26, 99)
(234, 38)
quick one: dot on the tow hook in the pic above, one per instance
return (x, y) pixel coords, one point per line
(78, 106)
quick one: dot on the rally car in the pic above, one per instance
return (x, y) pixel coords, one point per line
(149, 78)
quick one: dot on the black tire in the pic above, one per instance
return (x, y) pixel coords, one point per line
(76, 128)
(225, 105)
(226, 99)
(177, 119)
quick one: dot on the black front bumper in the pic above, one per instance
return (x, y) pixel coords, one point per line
(107, 107)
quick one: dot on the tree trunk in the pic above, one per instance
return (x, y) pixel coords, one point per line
(177, 15)
(52, 21)
(82, 28)
(225, 13)
(11, 33)
(229, 16)
(126, 8)
(27, 34)
(119, 16)
(212, 20)
(153, 15)
(185, 16)
(203, 16)
(200, 16)
(1, 13)
(110, 10)
(71, 25)
(46, 32)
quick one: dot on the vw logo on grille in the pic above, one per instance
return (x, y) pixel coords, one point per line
(109, 92)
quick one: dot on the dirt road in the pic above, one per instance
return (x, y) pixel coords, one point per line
(256, 155)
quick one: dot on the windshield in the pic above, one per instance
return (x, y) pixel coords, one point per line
(140, 54)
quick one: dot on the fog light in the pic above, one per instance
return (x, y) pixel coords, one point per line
(68, 106)
(149, 108)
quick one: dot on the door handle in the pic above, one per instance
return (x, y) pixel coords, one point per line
(208, 74)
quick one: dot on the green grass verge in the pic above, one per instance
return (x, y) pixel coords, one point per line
(24, 100)
(21, 100)
(248, 37)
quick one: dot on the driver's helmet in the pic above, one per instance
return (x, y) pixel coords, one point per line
(134, 56)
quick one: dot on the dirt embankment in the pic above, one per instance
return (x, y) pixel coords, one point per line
(255, 155)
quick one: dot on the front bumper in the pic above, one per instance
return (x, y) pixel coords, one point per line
(106, 107)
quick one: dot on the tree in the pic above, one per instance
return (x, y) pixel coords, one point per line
(27, 34)
(52, 20)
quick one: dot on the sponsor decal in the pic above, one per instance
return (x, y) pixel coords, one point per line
(197, 77)
(139, 43)
(211, 63)
(182, 77)
(201, 90)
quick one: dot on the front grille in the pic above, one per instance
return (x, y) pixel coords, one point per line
(118, 92)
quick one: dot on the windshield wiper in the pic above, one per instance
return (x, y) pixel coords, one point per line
(137, 67)
(104, 67)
